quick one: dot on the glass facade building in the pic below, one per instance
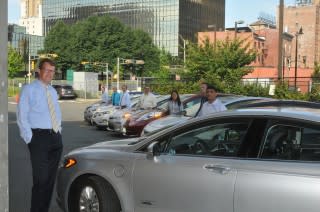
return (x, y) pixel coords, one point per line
(24, 43)
(166, 21)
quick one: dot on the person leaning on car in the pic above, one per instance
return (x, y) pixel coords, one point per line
(175, 106)
(39, 121)
(203, 93)
(213, 104)
(104, 95)
(147, 99)
(125, 101)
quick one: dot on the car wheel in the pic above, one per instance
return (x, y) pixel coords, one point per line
(93, 194)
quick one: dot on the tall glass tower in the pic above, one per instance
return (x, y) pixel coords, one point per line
(168, 22)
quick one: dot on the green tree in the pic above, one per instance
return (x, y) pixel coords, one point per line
(223, 64)
(100, 39)
(15, 62)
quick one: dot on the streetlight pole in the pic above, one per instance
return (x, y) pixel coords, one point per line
(236, 27)
(29, 67)
(107, 77)
(184, 51)
(215, 32)
(300, 32)
(118, 69)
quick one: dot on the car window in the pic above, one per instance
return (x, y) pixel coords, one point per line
(215, 140)
(192, 106)
(286, 142)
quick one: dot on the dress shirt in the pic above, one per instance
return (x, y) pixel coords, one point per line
(105, 97)
(125, 100)
(213, 107)
(33, 110)
(115, 98)
(148, 101)
(174, 108)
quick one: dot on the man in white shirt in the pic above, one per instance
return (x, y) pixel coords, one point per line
(147, 100)
(213, 104)
(125, 101)
(104, 95)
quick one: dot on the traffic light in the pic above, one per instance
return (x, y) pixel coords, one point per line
(32, 64)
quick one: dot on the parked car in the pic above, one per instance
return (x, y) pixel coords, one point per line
(91, 109)
(133, 126)
(117, 119)
(255, 159)
(231, 102)
(88, 112)
(65, 91)
(100, 117)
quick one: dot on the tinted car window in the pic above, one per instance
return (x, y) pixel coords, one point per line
(215, 140)
(286, 142)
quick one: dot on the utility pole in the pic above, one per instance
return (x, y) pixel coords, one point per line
(4, 173)
(280, 61)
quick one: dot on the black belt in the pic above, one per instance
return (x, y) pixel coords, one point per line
(46, 131)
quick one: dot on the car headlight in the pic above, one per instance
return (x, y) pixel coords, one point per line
(150, 116)
(69, 162)
(127, 116)
(157, 115)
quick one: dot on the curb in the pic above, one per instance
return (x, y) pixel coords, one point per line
(87, 100)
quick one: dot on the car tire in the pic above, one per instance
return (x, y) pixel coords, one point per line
(101, 127)
(102, 196)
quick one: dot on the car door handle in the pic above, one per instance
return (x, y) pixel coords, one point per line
(217, 168)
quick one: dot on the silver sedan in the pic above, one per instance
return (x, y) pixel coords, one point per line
(256, 159)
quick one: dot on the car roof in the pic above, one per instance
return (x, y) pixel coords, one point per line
(288, 112)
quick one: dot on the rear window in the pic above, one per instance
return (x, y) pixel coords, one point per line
(67, 86)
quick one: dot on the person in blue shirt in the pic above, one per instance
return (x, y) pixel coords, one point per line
(115, 97)
(39, 121)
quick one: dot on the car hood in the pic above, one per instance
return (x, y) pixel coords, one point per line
(120, 145)
(168, 120)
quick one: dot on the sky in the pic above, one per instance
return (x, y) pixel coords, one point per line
(246, 10)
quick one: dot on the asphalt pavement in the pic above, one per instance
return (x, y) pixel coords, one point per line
(75, 133)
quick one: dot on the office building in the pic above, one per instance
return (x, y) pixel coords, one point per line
(24, 43)
(167, 22)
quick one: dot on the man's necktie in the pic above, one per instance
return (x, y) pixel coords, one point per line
(54, 122)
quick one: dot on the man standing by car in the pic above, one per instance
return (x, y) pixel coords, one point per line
(115, 98)
(147, 100)
(203, 93)
(104, 95)
(213, 104)
(125, 101)
(39, 121)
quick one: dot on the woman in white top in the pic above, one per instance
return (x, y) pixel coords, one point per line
(175, 106)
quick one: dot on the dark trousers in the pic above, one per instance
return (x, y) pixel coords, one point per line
(45, 152)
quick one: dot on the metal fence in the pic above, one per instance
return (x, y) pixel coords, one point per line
(92, 88)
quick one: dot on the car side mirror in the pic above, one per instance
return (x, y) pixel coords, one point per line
(183, 113)
(153, 150)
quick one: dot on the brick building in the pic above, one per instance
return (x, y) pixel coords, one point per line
(264, 39)
(305, 15)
